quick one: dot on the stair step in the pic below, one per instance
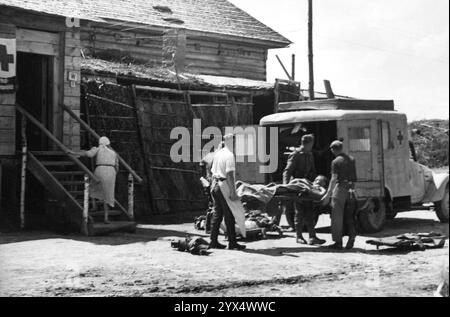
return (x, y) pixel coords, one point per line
(77, 193)
(101, 213)
(57, 163)
(115, 226)
(48, 153)
(72, 183)
(68, 173)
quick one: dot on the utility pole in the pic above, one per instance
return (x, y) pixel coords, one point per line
(310, 49)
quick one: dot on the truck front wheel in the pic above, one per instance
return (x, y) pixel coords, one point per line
(372, 215)
(441, 207)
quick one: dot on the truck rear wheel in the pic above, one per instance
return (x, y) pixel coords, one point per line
(373, 215)
(441, 207)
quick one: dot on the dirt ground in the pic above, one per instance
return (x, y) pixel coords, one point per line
(143, 264)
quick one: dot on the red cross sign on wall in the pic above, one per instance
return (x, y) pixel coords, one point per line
(7, 58)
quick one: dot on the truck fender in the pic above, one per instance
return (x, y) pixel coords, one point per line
(387, 192)
(441, 182)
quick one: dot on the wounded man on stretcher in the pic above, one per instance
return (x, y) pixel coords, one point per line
(297, 188)
(258, 202)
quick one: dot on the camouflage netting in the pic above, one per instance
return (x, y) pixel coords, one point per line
(431, 142)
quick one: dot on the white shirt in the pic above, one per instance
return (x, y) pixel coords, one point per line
(223, 163)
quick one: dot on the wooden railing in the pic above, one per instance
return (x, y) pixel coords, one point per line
(26, 116)
(58, 143)
(132, 176)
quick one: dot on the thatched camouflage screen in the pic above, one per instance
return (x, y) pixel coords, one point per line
(139, 126)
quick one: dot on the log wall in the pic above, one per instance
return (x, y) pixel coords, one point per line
(46, 35)
(215, 57)
(7, 108)
(139, 124)
(206, 55)
(107, 42)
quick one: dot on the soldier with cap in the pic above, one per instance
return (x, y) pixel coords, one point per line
(341, 191)
(301, 165)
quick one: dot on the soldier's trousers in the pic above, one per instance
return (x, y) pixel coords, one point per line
(343, 214)
(221, 211)
(289, 211)
(304, 216)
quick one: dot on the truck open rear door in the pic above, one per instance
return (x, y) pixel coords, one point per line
(362, 141)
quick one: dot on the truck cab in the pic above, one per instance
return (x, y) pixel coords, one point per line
(377, 136)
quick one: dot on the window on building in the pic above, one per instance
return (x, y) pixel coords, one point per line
(359, 139)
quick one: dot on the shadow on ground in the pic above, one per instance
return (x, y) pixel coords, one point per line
(400, 225)
(142, 235)
(179, 226)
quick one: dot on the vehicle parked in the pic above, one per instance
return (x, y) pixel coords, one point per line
(377, 136)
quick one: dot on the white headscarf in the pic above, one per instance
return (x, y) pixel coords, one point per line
(104, 141)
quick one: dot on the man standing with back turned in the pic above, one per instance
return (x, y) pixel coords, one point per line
(341, 191)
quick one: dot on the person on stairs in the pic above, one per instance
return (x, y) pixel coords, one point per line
(106, 169)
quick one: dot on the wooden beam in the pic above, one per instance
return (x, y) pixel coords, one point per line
(284, 68)
(23, 171)
(310, 50)
(1, 181)
(109, 101)
(162, 90)
(328, 89)
(293, 67)
(37, 48)
(139, 108)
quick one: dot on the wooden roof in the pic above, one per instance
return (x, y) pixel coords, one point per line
(218, 17)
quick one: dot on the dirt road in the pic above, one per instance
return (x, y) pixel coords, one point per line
(44, 264)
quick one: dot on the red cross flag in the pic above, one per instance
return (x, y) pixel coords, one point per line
(7, 58)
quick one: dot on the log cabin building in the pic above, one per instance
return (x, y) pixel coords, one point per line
(50, 50)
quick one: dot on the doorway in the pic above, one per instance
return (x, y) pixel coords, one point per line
(34, 78)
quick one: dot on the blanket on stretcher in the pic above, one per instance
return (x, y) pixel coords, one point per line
(265, 193)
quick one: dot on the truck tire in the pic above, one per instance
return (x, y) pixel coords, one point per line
(441, 207)
(372, 216)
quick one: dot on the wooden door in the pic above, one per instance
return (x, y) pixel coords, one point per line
(361, 143)
(397, 166)
(35, 95)
(39, 72)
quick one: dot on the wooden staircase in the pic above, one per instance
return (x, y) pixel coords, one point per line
(67, 181)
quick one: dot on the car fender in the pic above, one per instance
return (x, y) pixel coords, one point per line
(440, 182)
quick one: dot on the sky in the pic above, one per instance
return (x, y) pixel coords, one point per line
(369, 49)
